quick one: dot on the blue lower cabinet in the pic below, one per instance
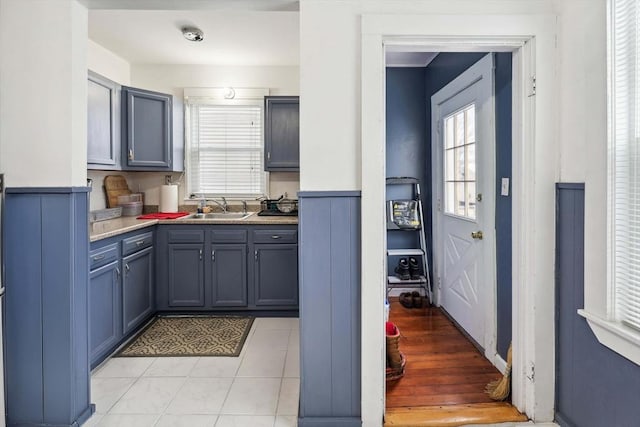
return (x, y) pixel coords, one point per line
(121, 290)
(104, 309)
(229, 275)
(215, 267)
(186, 275)
(276, 274)
(137, 289)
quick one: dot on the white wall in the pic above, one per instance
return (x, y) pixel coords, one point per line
(43, 93)
(330, 78)
(108, 64)
(583, 129)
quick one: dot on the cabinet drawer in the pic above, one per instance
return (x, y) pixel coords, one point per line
(103, 256)
(229, 236)
(135, 243)
(186, 236)
(275, 236)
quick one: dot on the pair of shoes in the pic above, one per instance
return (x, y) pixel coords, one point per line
(408, 269)
(411, 299)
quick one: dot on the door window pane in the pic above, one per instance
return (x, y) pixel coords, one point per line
(459, 141)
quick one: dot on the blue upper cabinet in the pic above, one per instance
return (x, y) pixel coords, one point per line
(103, 123)
(282, 133)
(146, 130)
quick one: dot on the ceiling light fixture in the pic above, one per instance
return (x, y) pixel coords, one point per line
(193, 34)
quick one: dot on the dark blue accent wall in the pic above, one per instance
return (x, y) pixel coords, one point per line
(595, 386)
(408, 151)
(329, 259)
(406, 144)
(46, 315)
(502, 62)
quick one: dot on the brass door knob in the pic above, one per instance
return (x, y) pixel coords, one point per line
(476, 235)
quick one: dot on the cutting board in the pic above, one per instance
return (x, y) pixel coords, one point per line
(114, 186)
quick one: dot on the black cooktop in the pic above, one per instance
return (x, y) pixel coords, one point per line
(275, 212)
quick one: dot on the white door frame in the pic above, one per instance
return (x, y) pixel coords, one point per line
(488, 300)
(535, 165)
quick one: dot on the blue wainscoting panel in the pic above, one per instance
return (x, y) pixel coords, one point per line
(595, 386)
(46, 335)
(329, 227)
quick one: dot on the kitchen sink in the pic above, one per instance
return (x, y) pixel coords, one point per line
(219, 215)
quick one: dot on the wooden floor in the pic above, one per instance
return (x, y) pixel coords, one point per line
(445, 375)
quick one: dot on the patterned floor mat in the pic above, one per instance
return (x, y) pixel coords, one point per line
(190, 336)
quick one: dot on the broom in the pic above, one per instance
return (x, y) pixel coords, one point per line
(499, 389)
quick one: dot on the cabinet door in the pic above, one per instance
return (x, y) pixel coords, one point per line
(282, 133)
(186, 275)
(147, 129)
(276, 274)
(103, 133)
(137, 291)
(229, 275)
(104, 309)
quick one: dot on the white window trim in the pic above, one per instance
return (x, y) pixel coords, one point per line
(599, 304)
(243, 96)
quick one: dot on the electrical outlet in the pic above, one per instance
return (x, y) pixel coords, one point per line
(504, 188)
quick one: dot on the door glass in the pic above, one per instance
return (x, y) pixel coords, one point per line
(460, 163)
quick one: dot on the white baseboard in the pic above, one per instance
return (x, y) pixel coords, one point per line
(500, 363)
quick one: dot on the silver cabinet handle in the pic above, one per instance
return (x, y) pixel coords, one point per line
(200, 252)
(213, 255)
(130, 154)
(140, 242)
(117, 272)
(126, 268)
(98, 257)
(275, 236)
(256, 255)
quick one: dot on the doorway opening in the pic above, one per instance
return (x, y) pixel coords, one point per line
(448, 124)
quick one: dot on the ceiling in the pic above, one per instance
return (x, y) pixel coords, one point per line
(232, 37)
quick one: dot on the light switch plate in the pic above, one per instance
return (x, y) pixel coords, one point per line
(504, 188)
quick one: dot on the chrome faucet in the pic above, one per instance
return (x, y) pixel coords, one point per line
(222, 205)
(244, 207)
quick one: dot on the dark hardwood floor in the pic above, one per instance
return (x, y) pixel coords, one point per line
(445, 373)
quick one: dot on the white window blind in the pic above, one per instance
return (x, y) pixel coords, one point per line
(624, 161)
(224, 143)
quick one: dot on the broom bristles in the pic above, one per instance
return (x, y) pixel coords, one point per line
(500, 389)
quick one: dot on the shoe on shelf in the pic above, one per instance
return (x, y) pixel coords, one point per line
(406, 300)
(416, 299)
(414, 269)
(402, 270)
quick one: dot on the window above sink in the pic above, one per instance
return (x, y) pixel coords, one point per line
(224, 142)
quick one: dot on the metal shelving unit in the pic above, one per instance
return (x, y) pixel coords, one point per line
(412, 222)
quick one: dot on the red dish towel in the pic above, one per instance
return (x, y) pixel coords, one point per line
(164, 215)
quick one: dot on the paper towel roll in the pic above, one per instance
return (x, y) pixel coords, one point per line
(168, 198)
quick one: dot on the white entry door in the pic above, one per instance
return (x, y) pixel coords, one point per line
(463, 148)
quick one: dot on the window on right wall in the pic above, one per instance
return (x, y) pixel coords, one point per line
(624, 163)
(616, 322)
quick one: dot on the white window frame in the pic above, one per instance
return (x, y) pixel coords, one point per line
(220, 96)
(600, 302)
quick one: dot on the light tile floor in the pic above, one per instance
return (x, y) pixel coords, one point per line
(258, 388)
